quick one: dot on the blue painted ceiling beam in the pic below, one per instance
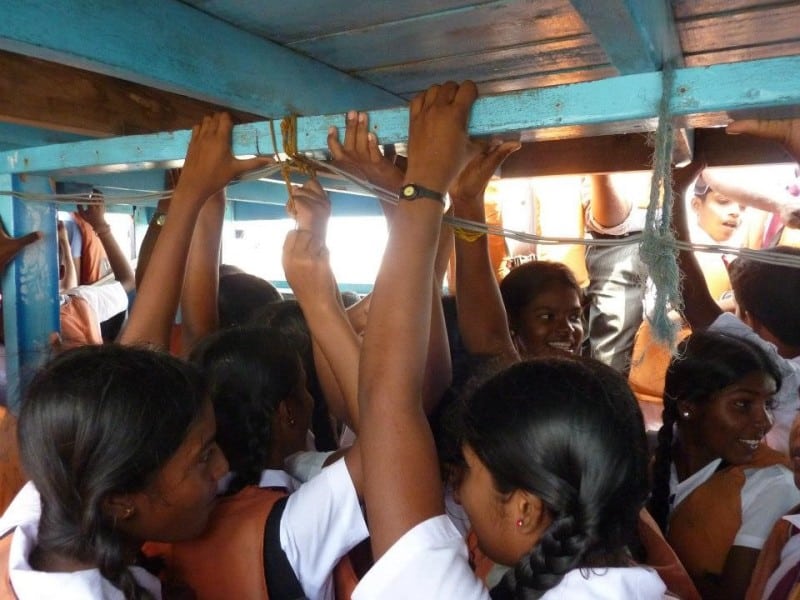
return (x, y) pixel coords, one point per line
(637, 35)
(620, 104)
(172, 46)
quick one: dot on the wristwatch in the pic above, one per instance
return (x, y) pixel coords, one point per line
(412, 191)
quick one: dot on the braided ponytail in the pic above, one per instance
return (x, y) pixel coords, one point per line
(570, 432)
(248, 373)
(658, 505)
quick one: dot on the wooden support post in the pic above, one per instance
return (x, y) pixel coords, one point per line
(30, 284)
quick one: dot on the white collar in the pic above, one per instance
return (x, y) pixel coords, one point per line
(78, 585)
(635, 583)
(679, 490)
(278, 478)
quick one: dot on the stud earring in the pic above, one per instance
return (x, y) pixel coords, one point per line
(128, 512)
(685, 414)
(519, 523)
(292, 421)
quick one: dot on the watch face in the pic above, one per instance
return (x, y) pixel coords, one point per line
(409, 191)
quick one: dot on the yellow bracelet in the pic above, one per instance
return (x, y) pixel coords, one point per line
(467, 235)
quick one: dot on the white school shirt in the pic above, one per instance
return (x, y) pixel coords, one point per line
(23, 517)
(430, 561)
(790, 556)
(788, 397)
(105, 299)
(767, 494)
(321, 523)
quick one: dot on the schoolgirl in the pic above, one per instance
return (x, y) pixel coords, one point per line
(120, 446)
(718, 488)
(554, 449)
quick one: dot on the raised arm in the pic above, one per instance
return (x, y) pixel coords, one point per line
(95, 215)
(69, 277)
(608, 208)
(10, 247)
(199, 313)
(307, 266)
(402, 486)
(482, 318)
(774, 200)
(154, 227)
(209, 166)
(699, 307)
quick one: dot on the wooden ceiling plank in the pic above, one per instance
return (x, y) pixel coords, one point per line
(488, 27)
(743, 89)
(755, 52)
(174, 47)
(299, 20)
(548, 58)
(633, 152)
(48, 95)
(748, 28)
(688, 9)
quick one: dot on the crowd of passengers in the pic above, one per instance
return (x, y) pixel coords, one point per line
(405, 445)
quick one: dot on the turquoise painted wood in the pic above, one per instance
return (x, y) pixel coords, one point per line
(13, 136)
(626, 103)
(638, 36)
(30, 284)
(172, 46)
(286, 22)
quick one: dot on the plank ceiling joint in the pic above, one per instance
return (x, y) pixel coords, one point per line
(184, 51)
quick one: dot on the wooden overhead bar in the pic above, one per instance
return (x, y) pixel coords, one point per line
(632, 152)
(54, 96)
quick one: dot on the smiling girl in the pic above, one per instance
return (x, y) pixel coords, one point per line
(543, 303)
(718, 488)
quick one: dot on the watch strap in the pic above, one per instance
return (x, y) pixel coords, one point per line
(412, 191)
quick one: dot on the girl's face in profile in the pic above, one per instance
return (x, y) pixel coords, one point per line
(485, 507)
(177, 503)
(551, 323)
(492, 514)
(733, 422)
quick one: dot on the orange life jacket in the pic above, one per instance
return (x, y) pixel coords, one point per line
(702, 527)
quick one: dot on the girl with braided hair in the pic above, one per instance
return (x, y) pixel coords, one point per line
(263, 410)
(554, 448)
(717, 487)
(120, 445)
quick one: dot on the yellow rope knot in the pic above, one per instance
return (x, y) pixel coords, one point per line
(295, 162)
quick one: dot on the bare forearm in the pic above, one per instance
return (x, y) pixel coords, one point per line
(608, 208)
(157, 299)
(339, 348)
(482, 318)
(438, 365)
(199, 314)
(755, 198)
(120, 265)
(699, 307)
